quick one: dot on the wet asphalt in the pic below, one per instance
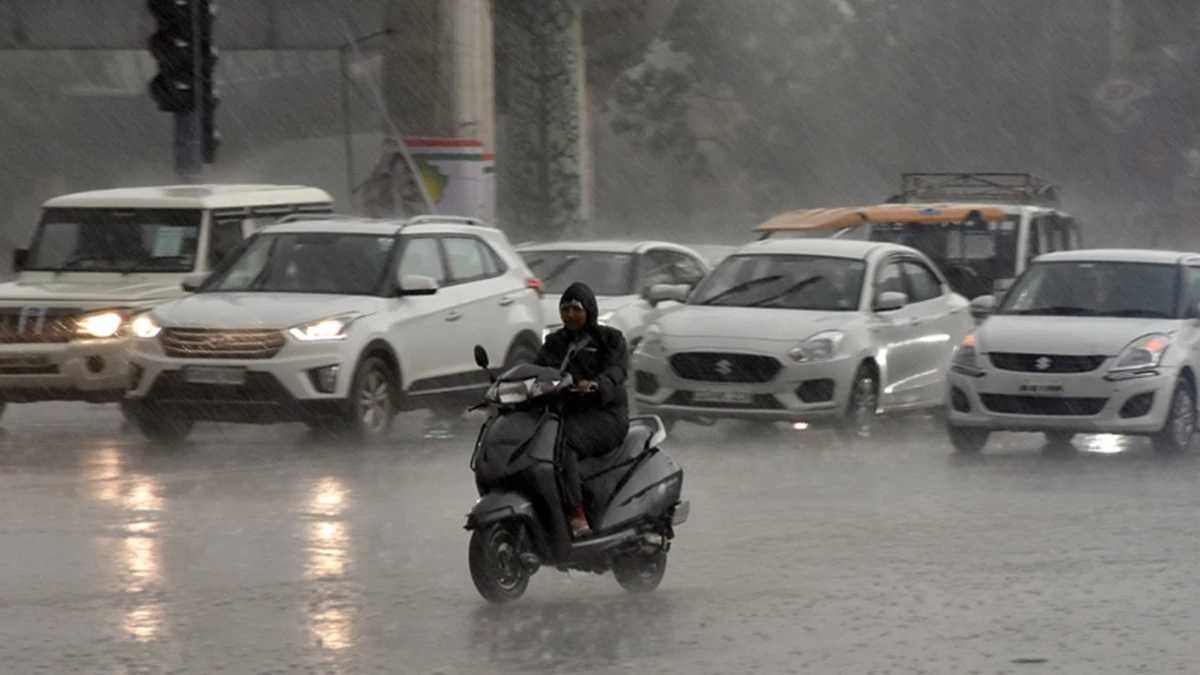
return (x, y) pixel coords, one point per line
(263, 550)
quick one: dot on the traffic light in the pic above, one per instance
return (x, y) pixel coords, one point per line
(171, 46)
(210, 139)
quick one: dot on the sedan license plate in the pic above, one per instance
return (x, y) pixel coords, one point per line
(718, 396)
(212, 375)
(1041, 387)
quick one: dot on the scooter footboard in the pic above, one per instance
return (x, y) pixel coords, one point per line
(496, 506)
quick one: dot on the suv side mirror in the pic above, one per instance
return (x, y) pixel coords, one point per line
(890, 301)
(193, 281)
(20, 259)
(664, 292)
(415, 284)
(982, 306)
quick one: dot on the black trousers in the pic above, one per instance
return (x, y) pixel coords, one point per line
(586, 434)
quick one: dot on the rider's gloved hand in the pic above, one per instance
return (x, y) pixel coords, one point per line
(586, 386)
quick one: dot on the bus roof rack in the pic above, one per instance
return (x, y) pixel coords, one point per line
(1000, 188)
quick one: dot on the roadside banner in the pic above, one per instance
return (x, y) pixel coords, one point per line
(456, 177)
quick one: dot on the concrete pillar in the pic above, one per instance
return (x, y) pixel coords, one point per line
(417, 74)
(539, 102)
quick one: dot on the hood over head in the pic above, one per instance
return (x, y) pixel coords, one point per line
(581, 293)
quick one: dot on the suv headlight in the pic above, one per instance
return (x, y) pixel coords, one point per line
(105, 324)
(1144, 352)
(144, 326)
(966, 359)
(653, 342)
(820, 347)
(325, 330)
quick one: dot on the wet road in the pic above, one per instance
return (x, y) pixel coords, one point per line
(261, 551)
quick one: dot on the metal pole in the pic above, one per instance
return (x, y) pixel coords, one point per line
(189, 127)
(347, 129)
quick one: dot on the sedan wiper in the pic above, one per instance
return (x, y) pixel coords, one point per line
(744, 286)
(788, 291)
(1058, 310)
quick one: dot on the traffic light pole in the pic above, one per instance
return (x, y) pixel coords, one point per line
(189, 126)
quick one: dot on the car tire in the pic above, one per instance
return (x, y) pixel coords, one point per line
(371, 407)
(1180, 425)
(967, 440)
(158, 425)
(859, 420)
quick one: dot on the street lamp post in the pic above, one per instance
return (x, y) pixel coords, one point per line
(347, 126)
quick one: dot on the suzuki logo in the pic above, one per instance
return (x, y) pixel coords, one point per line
(1042, 363)
(37, 314)
(723, 367)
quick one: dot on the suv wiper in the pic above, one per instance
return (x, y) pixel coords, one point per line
(744, 286)
(563, 266)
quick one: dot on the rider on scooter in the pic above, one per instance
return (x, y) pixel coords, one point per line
(595, 424)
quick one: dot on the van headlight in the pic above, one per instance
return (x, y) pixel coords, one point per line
(145, 327)
(820, 347)
(966, 358)
(104, 324)
(325, 330)
(1144, 352)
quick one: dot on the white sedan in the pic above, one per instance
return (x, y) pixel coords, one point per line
(804, 330)
(1101, 341)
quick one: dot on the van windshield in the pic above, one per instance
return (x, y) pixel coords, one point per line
(115, 240)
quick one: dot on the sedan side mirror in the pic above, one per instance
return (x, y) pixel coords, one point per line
(481, 357)
(20, 259)
(415, 284)
(983, 306)
(890, 301)
(193, 281)
(664, 292)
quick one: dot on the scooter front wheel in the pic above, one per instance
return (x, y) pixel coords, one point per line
(494, 558)
(640, 573)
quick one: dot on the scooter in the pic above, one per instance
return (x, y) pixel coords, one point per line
(519, 523)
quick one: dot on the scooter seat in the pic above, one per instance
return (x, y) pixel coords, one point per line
(635, 443)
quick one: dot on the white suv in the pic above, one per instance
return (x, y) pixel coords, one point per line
(337, 323)
(1100, 341)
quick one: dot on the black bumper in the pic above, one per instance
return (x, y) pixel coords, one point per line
(261, 400)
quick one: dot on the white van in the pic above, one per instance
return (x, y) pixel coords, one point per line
(99, 257)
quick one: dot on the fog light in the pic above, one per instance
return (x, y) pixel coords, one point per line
(95, 364)
(324, 379)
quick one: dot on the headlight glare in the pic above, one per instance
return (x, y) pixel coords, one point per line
(145, 327)
(101, 324)
(1144, 352)
(324, 330)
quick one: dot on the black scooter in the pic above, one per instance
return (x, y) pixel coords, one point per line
(519, 522)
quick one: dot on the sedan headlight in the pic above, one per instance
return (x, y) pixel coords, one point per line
(605, 318)
(145, 327)
(325, 330)
(1144, 352)
(966, 359)
(652, 343)
(820, 347)
(104, 324)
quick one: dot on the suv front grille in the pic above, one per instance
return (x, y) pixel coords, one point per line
(1045, 363)
(725, 367)
(34, 325)
(221, 343)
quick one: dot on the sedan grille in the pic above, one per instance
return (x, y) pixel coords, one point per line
(1043, 405)
(1045, 363)
(206, 343)
(37, 325)
(724, 367)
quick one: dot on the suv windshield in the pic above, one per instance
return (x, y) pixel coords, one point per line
(1112, 289)
(605, 272)
(308, 262)
(810, 282)
(115, 240)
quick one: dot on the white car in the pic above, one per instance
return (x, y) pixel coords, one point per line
(1100, 341)
(338, 324)
(620, 273)
(97, 258)
(804, 330)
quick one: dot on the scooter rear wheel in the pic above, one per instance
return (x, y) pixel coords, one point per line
(640, 573)
(494, 558)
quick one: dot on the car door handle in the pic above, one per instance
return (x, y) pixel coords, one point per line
(453, 316)
(506, 301)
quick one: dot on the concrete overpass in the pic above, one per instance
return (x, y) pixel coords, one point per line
(513, 74)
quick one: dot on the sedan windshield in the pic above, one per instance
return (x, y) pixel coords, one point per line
(784, 282)
(1111, 289)
(605, 272)
(308, 262)
(116, 240)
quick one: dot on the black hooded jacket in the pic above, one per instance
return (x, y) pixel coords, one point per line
(605, 360)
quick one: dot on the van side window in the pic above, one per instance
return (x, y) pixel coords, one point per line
(1192, 279)
(1036, 227)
